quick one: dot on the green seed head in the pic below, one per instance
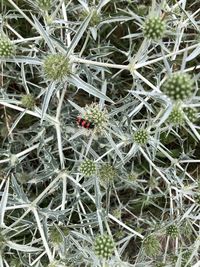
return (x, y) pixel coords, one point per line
(160, 264)
(154, 28)
(172, 231)
(151, 246)
(106, 174)
(95, 19)
(55, 236)
(88, 167)
(153, 183)
(96, 116)
(141, 137)
(28, 101)
(178, 86)
(56, 67)
(104, 246)
(44, 4)
(6, 47)
(191, 113)
(176, 116)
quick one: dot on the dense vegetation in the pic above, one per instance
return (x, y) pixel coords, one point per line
(99, 133)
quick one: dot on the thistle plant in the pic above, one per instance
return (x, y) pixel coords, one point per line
(99, 132)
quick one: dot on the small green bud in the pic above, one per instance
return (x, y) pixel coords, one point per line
(197, 198)
(191, 113)
(44, 5)
(104, 246)
(178, 86)
(154, 28)
(141, 137)
(2, 241)
(151, 246)
(106, 174)
(56, 67)
(6, 47)
(28, 101)
(95, 19)
(88, 167)
(172, 231)
(55, 236)
(176, 116)
(133, 176)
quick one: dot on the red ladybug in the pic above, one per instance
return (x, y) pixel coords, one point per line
(84, 123)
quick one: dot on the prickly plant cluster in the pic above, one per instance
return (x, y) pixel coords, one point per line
(99, 133)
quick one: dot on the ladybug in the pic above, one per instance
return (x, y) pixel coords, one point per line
(84, 123)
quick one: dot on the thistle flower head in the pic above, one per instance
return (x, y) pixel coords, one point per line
(44, 4)
(154, 28)
(6, 47)
(2, 241)
(176, 116)
(56, 67)
(178, 86)
(106, 174)
(28, 101)
(55, 236)
(104, 246)
(95, 115)
(95, 19)
(172, 231)
(191, 113)
(88, 167)
(160, 264)
(141, 136)
(151, 246)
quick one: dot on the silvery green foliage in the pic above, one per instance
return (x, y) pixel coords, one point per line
(124, 192)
